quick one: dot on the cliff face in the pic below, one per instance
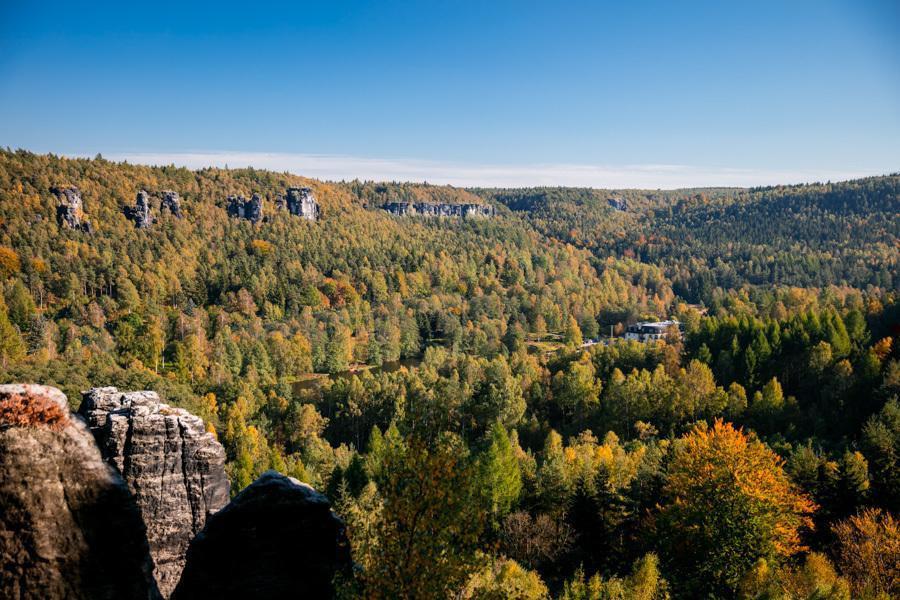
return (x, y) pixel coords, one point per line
(70, 208)
(78, 521)
(301, 203)
(251, 209)
(171, 202)
(619, 204)
(69, 528)
(140, 212)
(174, 468)
(428, 209)
(277, 539)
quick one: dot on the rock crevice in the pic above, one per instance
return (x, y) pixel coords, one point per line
(173, 466)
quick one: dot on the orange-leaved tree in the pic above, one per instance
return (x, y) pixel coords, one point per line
(728, 503)
(868, 553)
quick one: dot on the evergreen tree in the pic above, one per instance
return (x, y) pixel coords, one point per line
(501, 475)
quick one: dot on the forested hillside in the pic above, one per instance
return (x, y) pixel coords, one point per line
(430, 374)
(812, 235)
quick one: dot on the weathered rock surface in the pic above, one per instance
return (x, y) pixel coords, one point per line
(140, 212)
(174, 468)
(171, 202)
(428, 209)
(69, 528)
(251, 209)
(70, 208)
(277, 539)
(618, 203)
(302, 203)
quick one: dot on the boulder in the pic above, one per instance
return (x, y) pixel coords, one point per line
(277, 539)
(69, 527)
(173, 466)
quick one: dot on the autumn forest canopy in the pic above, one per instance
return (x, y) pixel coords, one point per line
(461, 387)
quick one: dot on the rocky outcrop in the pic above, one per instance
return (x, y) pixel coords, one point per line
(251, 209)
(277, 539)
(618, 203)
(302, 203)
(69, 528)
(174, 468)
(171, 202)
(429, 209)
(140, 212)
(70, 208)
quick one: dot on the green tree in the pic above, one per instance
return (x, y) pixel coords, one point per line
(12, 347)
(644, 583)
(572, 335)
(576, 390)
(431, 521)
(497, 397)
(20, 305)
(127, 294)
(501, 474)
(881, 444)
(338, 350)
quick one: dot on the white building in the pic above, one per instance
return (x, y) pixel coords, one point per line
(646, 331)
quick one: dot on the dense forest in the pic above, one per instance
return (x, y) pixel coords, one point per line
(805, 236)
(431, 376)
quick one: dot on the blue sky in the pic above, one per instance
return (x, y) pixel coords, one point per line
(649, 94)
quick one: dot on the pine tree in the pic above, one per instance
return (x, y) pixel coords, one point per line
(12, 348)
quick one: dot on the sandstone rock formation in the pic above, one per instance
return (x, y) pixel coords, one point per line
(428, 209)
(69, 528)
(140, 212)
(174, 468)
(171, 202)
(277, 539)
(251, 209)
(302, 203)
(70, 208)
(618, 203)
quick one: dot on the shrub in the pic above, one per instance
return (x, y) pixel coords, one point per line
(31, 410)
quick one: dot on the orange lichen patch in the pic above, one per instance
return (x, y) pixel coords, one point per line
(31, 410)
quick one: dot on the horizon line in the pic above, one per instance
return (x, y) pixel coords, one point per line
(338, 167)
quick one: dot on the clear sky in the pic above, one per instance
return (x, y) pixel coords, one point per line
(651, 94)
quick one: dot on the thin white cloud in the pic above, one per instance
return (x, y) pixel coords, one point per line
(336, 167)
